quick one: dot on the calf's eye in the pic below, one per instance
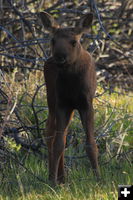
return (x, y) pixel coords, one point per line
(73, 43)
(53, 41)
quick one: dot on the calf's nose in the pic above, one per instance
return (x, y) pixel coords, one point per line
(60, 58)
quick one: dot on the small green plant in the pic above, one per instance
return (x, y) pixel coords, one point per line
(11, 144)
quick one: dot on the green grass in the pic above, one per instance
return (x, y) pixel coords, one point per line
(80, 182)
(114, 134)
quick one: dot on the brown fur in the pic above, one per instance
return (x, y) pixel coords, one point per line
(71, 82)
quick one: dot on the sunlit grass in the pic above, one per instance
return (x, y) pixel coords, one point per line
(114, 134)
(80, 183)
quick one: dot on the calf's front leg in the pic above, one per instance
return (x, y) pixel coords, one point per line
(87, 118)
(57, 160)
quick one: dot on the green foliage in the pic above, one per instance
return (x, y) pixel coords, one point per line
(113, 127)
(11, 144)
(80, 183)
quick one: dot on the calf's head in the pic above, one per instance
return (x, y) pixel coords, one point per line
(65, 42)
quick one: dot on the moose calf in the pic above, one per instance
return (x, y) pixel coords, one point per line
(71, 82)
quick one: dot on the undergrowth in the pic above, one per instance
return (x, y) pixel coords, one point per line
(25, 174)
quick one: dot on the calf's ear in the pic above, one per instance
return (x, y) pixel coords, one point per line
(48, 21)
(83, 24)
